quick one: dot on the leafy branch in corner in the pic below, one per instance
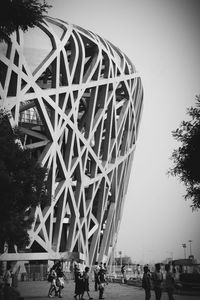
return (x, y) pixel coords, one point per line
(186, 158)
(20, 14)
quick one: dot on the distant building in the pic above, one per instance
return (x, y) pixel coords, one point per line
(78, 100)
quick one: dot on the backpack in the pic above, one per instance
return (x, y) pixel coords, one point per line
(49, 277)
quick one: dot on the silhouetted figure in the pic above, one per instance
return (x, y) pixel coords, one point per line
(52, 280)
(123, 270)
(7, 278)
(169, 282)
(79, 287)
(157, 278)
(59, 279)
(146, 283)
(101, 282)
(86, 283)
(96, 272)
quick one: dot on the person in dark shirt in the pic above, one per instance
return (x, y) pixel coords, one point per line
(157, 278)
(101, 282)
(79, 287)
(86, 283)
(169, 282)
(52, 280)
(123, 270)
(146, 283)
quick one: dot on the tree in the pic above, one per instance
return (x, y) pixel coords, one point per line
(186, 158)
(22, 186)
(15, 14)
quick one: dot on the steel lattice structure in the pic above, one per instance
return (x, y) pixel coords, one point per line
(78, 100)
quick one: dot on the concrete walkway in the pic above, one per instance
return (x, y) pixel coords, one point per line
(32, 290)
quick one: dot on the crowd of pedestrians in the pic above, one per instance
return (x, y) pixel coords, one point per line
(156, 282)
(150, 281)
(81, 279)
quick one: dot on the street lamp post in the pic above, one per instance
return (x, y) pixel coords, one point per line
(120, 253)
(190, 241)
(184, 248)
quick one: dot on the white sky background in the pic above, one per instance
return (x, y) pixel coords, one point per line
(162, 39)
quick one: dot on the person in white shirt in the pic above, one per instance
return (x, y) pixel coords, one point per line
(96, 272)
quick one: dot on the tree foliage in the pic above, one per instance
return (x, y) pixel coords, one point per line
(15, 14)
(186, 158)
(22, 185)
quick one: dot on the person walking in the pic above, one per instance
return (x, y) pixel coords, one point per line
(146, 283)
(52, 279)
(86, 283)
(71, 268)
(123, 271)
(96, 272)
(169, 282)
(76, 270)
(101, 282)
(79, 287)
(105, 268)
(59, 279)
(7, 278)
(157, 278)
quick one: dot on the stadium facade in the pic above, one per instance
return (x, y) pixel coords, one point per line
(78, 100)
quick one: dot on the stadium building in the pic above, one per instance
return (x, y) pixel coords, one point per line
(77, 99)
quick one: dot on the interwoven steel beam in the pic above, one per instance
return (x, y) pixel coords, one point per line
(78, 100)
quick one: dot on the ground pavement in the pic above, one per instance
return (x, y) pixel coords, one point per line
(32, 290)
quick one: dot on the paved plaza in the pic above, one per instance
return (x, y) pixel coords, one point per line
(32, 290)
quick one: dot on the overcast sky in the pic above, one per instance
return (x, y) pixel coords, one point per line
(162, 39)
